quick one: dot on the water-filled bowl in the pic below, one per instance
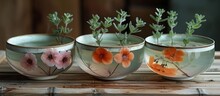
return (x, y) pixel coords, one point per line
(39, 56)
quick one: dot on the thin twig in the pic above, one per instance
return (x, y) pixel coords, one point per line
(43, 70)
(180, 69)
(113, 70)
(54, 70)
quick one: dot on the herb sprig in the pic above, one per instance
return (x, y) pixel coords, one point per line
(157, 27)
(121, 27)
(192, 26)
(99, 27)
(171, 23)
(67, 18)
(171, 20)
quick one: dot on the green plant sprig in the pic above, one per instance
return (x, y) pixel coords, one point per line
(171, 23)
(67, 18)
(157, 27)
(121, 17)
(171, 20)
(192, 26)
(99, 27)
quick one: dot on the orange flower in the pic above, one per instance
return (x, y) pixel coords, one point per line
(173, 54)
(102, 55)
(159, 69)
(124, 57)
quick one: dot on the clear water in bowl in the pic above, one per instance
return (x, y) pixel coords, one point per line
(179, 62)
(111, 71)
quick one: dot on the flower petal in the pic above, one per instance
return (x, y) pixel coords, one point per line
(102, 55)
(131, 56)
(124, 50)
(63, 60)
(118, 58)
(173, 54)
(29, 61)
(126, 63)
(108, 58)
(96, 55)
(49, 56)
(163, 70)
(151, 60)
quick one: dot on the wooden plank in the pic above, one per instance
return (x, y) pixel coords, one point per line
(136, 83)
(133, 84)
(115, 91)
(217, 54)
(15, 19)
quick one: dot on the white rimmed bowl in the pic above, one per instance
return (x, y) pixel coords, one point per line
(39, 56)
(177, 61)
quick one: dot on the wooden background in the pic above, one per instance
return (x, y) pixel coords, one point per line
(19, 17)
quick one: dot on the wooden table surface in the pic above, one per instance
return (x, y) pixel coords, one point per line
(75, 82)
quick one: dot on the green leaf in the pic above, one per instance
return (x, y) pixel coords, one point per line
(120, 27)
(54, 18)
(108, 22)
(133, 29)
(185, 41)
(140, 22)
(67, 18)
(154, 18)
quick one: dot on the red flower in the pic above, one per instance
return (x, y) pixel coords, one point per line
(102, 55)
(124, 57)
(173, 54)
(159, 69)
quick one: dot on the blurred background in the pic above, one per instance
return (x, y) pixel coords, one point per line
(18, 17)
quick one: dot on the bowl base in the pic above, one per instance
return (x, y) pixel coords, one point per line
(186, 78)
(111, 79)
(44, 78)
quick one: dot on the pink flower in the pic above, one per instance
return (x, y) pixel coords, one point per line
(63, 60)
(29, 61)
(49, 56)
(124, 57)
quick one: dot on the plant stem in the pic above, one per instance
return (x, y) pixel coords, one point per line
(180, 69)
(176, 67)
(171, 41)
(157, 40)
(49, 71)
(88, 66)
(113, 70)
(43, 70)
(54, 70)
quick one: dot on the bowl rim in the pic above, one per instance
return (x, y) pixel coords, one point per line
(184, 47)
(40, 47)
(142, 41)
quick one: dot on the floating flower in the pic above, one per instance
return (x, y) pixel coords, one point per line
(63, 60)
(124, 57)
(173, 54)
(29, 61)
(49, 56)
(162, 70)
(102, 55)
